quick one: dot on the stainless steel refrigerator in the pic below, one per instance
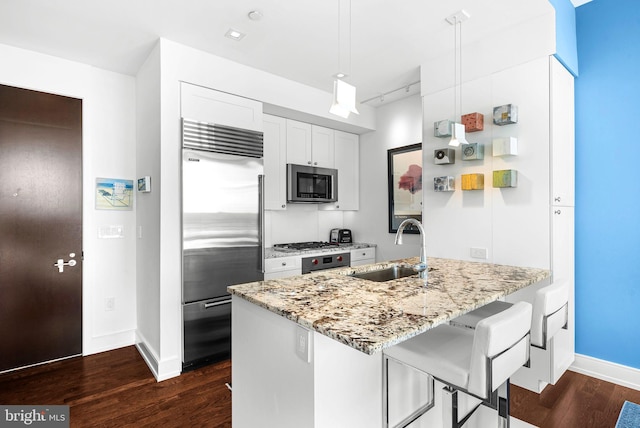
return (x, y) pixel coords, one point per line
(222, 232)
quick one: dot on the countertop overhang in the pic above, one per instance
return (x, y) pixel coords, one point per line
(370, 316)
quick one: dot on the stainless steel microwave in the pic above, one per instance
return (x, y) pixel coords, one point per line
(311, 184)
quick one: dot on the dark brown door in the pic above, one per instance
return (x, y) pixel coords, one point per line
(40, 223)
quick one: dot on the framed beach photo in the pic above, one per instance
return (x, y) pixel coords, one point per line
(405, 186)
(114, 194)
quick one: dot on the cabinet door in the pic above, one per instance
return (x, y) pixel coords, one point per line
(298, 142)
(562, 135)
(347, 162)
(322, 146)
(275, 160)
(208, 105)
(562, 267)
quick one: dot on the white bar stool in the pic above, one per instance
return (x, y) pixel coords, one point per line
(550, 313)
(476, 362)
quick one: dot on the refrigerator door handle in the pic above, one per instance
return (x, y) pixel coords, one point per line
(261, 219)
(213, 304)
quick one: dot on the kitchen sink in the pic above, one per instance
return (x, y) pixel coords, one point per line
(386, 274)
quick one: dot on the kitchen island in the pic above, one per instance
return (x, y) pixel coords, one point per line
(306, 350)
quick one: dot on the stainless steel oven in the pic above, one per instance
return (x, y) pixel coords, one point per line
(325, 261)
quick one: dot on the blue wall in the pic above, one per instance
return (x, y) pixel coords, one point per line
(566, 50)
(608, 181)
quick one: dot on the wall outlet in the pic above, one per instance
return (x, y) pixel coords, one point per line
(479, 253)
(303, 336)
(110, 304)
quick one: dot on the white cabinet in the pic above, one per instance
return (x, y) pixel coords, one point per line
(275, 159)
(347, 162)
(309, 144)
(282, 267)
(363, 256)
(207, 105)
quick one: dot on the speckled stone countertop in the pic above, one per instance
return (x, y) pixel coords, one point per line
(370, 316)
(270, 253)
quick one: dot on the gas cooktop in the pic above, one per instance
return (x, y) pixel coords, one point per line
(298, 246)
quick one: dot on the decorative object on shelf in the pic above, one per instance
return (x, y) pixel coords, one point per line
(442, 128)
(472, 151)
(505, 146)
(144, 184)
(444, 184)
(344, 94)
(473, 122)
(457, 130)
(505, 178)
(114, 194)
(404, 166)
(472, 181)
(505, 115)
(444, 156)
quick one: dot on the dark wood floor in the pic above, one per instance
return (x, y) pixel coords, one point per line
(116, 388)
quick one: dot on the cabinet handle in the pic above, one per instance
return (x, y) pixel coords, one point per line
(284, 206)
(557, 199)
(284, 263)
(309, 162)
(557, 212)
(337, 206)
(315, 163)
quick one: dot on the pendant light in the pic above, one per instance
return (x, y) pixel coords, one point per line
(457, 129)
(344, 94)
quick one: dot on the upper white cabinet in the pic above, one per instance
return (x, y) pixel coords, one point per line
(309, 144)
(208, 105)
(347, 162)
(562, 135)
(275, 159)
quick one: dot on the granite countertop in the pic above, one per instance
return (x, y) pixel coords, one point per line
(270, 253)
(370, 316)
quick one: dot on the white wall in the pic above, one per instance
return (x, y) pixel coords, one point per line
(108, 103)
(398, 124)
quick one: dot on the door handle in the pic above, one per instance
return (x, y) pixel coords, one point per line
(213, 304)
(60, 264)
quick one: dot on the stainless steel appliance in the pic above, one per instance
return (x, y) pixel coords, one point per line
(311, 184)
(222, 232)
(325, 261)
(340, 236)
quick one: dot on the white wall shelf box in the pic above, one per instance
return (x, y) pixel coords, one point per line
(505, 146)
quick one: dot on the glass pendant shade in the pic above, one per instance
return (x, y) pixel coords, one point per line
(344, 99)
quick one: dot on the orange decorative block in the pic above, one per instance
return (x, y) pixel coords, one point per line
(472, 181)
(473, 122)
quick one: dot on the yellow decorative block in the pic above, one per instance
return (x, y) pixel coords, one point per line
(472, 181)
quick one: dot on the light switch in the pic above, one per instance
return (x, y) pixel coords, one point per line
(110, 232)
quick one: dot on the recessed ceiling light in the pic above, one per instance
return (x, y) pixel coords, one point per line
(234, 34)
(340, 75)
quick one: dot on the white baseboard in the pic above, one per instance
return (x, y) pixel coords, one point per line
(109, 342)
(604, 370)
(162, 370)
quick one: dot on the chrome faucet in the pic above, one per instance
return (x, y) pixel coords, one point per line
(421, 267)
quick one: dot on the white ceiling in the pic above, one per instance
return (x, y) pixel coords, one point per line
(296, 39)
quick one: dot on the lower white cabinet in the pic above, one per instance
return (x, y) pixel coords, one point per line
(363, 256)
(282, 267)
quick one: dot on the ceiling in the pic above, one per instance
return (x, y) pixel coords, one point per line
(295, 39)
